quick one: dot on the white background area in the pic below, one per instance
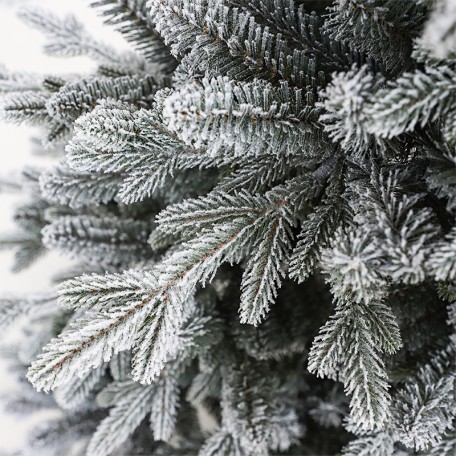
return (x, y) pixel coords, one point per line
(21, 49)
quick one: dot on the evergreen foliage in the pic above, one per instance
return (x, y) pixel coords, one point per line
(261, 202)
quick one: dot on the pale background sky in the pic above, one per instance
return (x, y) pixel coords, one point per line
(21, 49)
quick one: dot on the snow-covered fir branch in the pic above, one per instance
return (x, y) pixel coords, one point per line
(260, 197)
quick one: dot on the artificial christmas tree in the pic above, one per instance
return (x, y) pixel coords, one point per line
(261, 202)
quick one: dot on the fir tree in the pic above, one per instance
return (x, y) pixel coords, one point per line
(261, 202)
